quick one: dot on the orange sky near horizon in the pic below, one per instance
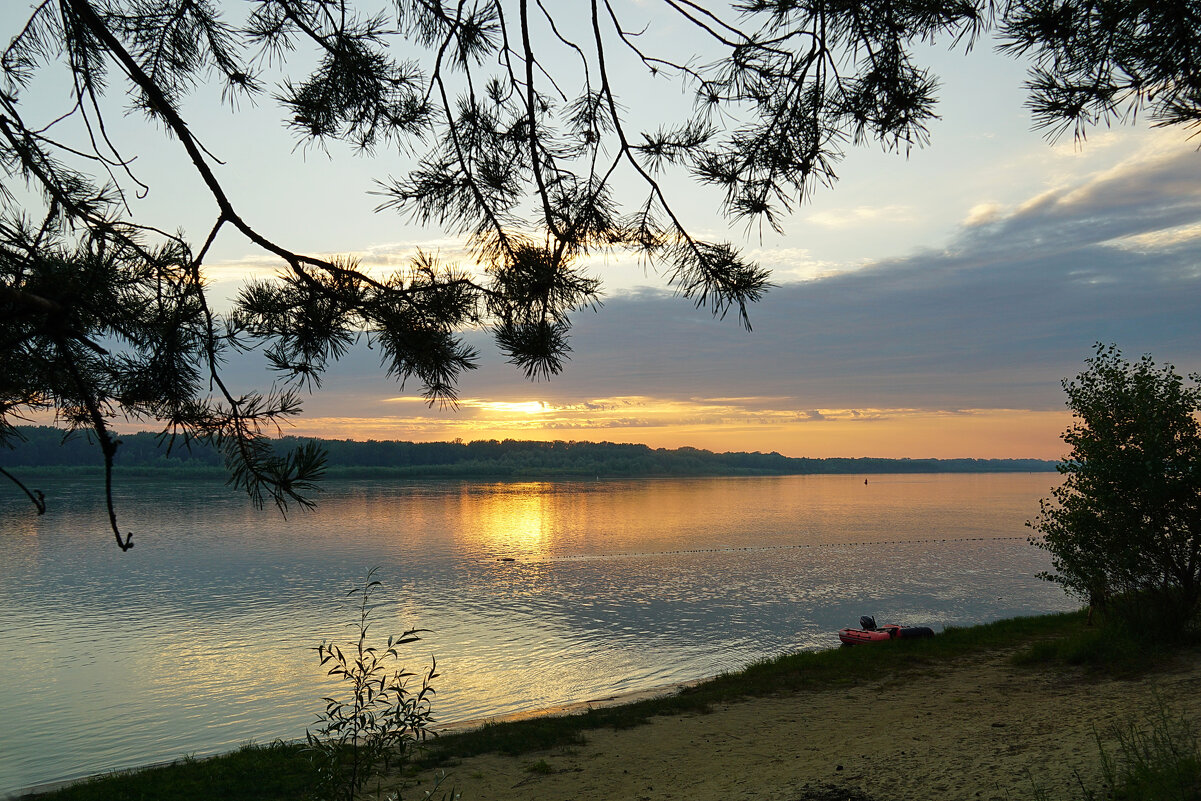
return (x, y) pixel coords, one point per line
(983, 433)
(715, 424)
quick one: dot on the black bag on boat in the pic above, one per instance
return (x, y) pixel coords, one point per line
(910, 632)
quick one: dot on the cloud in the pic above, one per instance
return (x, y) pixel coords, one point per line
(640, 412)
(991, 321)
(1139, 196)
(862, 215)
(1160, 239)
(982, 214)
(792, 264)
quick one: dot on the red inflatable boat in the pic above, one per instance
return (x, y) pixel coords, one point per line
(870, 633)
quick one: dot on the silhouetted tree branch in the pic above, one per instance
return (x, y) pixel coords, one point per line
(526, 155)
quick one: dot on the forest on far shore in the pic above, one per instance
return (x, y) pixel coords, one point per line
(45, 449)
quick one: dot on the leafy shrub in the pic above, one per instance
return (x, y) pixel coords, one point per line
(1125, 523)
(381, 719)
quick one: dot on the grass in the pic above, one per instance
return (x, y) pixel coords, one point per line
(1158, 761)
(1108, 650)
(252, 773)
(541, 767)
(1123, 645)
(281, 771)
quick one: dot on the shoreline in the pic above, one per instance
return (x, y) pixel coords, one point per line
(573, 707)
(453, 727)
(955, 717)
(976, 728)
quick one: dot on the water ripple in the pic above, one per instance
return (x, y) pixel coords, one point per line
(202, 637)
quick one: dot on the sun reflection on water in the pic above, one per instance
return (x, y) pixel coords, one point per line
(613, 585)
(512, 521)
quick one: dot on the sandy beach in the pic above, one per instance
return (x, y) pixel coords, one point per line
(976, 728)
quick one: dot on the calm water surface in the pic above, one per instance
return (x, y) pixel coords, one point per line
(201, 637)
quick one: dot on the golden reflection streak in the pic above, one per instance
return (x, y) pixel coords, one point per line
(509, 521)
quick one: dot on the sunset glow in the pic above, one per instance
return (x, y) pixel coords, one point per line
(605, 367)
(724, 425)
(927, 307)
(897, 329)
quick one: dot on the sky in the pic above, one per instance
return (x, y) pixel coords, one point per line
(927, 305)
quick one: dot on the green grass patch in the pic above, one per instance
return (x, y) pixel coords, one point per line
(1159, 760)
(1116, 646)
(252, 773)
(541, 768)
(1104, 649)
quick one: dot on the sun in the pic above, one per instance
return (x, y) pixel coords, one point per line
(520, 407)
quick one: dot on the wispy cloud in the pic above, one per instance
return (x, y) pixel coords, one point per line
(992, 320)
(983, 214)
(859, 216)
(890, 433)
(377, 260)
(1161, 239)
(946, 340)
(476, 415)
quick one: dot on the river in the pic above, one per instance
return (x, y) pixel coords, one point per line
(536, 594)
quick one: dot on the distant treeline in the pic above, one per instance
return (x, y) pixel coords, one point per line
(144, 454)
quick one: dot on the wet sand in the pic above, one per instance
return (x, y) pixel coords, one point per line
(976, 728)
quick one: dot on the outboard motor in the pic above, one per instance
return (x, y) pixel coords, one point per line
(867, 623)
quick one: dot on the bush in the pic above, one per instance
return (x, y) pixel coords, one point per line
(362, 735)
(1125, 523)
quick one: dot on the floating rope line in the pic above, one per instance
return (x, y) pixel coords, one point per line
(749, 548)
